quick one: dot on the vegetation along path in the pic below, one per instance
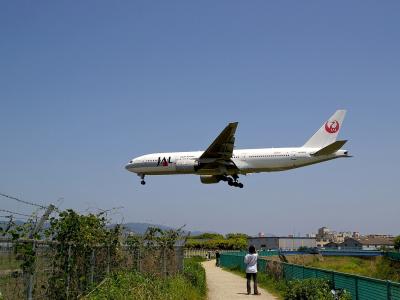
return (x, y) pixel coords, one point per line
(225, 285)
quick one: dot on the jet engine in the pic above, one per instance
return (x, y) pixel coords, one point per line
(208, 179)
(186, 165)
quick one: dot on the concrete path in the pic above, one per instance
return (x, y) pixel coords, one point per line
(225, 285)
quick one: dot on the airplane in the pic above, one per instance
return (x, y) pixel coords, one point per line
(221, 162)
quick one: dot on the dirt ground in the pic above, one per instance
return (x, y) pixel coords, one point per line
(225, 285)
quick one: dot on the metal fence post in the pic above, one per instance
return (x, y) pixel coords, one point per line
(137, 254)
(164, 261)
(30, 279)
(92, 260)
(179, 257)
(356, 287)
(389, 290)
(140, 260)
(68, 270)
(108, 259)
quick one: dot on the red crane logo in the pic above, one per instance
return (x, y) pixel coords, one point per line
(332, 126)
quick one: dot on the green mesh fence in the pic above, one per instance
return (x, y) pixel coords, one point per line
(393, 255)
(360, 288)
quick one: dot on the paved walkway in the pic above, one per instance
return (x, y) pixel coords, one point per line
(225, 285)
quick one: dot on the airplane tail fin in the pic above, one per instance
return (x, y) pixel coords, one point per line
(328, 132)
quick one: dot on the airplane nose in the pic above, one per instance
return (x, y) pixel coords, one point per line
(129, 166)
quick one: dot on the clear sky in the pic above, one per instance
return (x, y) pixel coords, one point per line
(87, 85)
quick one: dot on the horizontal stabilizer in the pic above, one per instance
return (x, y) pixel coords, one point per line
(330, 149)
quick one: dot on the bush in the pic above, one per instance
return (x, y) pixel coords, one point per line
(207, 236)
(397, 243)
(311, 289)
(196, 258)
(196, 275)
(222, 244)
(303, 249)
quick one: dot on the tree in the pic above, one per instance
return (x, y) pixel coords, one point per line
(397, 243)
(237, 236)
(207, 236)
(78, 239)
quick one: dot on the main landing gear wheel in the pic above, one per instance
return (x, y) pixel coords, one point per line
(233, 181)
(143, 182)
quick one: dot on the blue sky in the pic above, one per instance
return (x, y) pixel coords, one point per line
(87, 85)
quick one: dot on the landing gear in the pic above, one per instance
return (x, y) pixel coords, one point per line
(142, 182)
(233, 181)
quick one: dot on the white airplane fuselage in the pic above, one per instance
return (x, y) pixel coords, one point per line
(221, 162)
(247, 161)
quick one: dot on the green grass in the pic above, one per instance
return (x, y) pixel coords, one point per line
(9, 263)
(276, 288)
(191, 284)
(378, 267)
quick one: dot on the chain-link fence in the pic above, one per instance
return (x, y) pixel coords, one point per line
(43, 270)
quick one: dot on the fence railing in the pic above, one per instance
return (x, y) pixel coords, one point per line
(66, 277)
(360, 288)
(205, 253)
(393, 255)
(338, 252)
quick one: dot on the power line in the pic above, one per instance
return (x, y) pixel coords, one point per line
(15, 213)
(3, 216)
(22, 201)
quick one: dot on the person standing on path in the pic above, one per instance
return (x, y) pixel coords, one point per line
(251, 269)
(217, 257)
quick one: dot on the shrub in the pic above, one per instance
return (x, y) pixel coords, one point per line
(207, 236)
(311, 289)
(303, 249)
(397, 243)
(196, 258)
(237, 236)
(194, 272)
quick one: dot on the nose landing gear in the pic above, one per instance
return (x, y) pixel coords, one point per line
(142, 182)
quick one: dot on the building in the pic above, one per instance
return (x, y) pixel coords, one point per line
(323, 232)
(281, 242)
(368, 242)
(331, 245)
(325, 236)
(322, 243)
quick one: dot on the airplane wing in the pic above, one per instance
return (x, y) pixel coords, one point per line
(222, 147)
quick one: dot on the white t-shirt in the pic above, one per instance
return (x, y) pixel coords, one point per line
(251, 263)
